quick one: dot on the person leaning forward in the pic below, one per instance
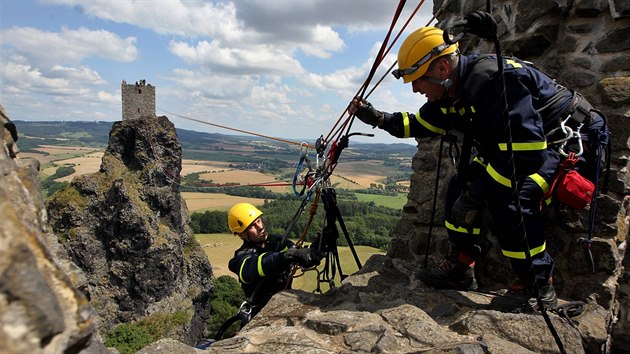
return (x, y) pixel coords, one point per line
(263, 262)
(463, 93)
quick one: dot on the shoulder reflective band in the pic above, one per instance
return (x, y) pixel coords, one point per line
(513, 63)
(475, 230)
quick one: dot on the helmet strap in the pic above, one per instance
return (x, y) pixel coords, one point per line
(447, 83)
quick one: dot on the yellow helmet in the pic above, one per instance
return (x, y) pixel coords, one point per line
(241, 216)
(418, 50)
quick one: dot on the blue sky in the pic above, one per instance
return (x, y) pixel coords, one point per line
(283, 68)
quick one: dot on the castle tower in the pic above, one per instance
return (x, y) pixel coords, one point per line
(138, 100)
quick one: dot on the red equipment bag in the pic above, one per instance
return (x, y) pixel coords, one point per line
(575, 190)
(570, 187)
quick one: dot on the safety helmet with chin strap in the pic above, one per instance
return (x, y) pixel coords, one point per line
(241, 216)
(419, 50)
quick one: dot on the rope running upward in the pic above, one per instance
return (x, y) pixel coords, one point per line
(238, 130)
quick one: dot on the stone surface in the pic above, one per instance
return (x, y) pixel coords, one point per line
(126, 227)
(41, 311)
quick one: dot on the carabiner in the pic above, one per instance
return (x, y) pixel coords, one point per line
(245, 308)
(575, 135)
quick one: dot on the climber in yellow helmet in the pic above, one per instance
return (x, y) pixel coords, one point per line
(463, 94)
(263, 262)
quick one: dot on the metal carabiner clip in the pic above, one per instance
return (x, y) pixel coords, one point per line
(574, 135)
(245, 308)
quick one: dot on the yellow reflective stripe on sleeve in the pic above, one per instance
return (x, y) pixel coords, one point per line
(513, 63)
(479, 161)
(476, 230)
(261, 272)
(407, 131)
(540, 181)
(539, 145)
(544, 186)
(521, 255)
(497, 177)
(240, 272)
(428, 126)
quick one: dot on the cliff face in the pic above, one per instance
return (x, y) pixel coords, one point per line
(41, 310)
(125, 226)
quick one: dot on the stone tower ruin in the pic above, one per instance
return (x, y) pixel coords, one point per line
(138, 100)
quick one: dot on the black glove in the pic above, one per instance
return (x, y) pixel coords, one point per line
(305, 257)
(481, 24)
(466, 211)
(367, 113)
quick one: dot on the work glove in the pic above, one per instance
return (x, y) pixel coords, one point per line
(481, 24)
(466, 211)
(365, 112)
(304, 257)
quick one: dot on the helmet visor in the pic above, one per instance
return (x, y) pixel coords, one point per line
(398, 73)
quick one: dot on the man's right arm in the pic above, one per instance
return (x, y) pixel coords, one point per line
(429, 121)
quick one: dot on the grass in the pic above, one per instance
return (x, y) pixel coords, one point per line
(200, 202)
(394, 202)
(220, 248)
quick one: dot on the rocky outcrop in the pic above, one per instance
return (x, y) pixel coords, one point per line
(384, 308)
(41, 310)
(126, 227)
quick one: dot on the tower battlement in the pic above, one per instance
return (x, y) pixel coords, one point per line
(138, 100)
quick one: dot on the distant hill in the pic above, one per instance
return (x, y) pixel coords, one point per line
(96, 134)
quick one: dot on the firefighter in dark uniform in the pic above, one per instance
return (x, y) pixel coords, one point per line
(263, 262)
(463, 94)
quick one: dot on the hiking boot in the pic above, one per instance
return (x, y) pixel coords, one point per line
(547, 296)
(520, 288)
(527, 290)
(459, 276)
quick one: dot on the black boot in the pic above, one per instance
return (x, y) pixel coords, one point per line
(459, 275)
(524, 287)
(547, 295)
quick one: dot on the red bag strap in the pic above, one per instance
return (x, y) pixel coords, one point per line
(566, 165)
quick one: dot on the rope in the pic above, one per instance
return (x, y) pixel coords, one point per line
(519, 210)
(238, 130)
(377, 62)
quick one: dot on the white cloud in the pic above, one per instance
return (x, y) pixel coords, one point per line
(256, 59)
(213, 85)
(182, 18)
(79, 74)
(68, 46)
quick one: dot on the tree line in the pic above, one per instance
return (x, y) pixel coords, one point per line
(367, 223)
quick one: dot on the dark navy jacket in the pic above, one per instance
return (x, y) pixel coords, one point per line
(478, 110)
(253, 264)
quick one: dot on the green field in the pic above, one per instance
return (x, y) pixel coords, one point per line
(220, 248)
(394, 202)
